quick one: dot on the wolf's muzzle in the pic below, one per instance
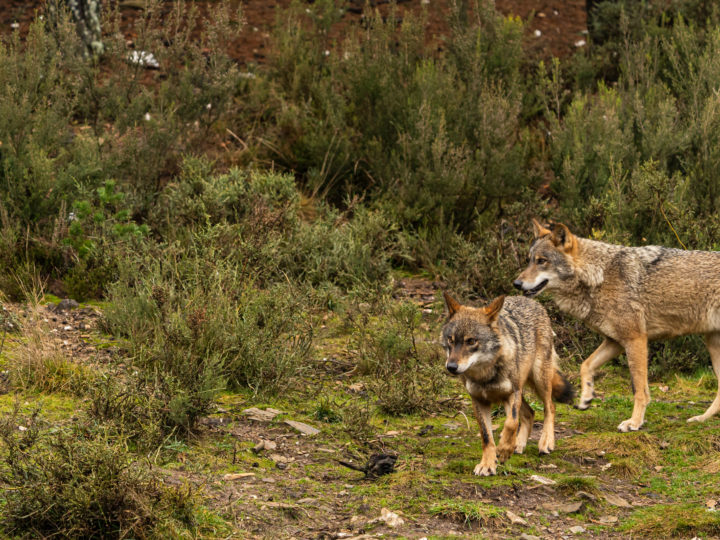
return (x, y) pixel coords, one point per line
(452, 368)
(535, 290)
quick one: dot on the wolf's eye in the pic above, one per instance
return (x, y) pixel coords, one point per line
(471, 342)
(541, 260)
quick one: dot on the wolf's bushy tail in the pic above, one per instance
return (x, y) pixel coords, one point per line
(562, 390)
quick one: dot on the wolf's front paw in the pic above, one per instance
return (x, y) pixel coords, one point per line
(483, 469)
(584, 404)
(629, 425)
(504, 452)
(700, 418)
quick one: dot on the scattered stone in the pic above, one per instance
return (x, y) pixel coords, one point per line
(586, 495)
(658, 468)
(391, 518)
(264, 445)
(268, 480)
(616, 500)
(605, 467)
(525, 536)
(607, 520)
(309, 500)
(238, 476)
(392, 433)
(326, 450)
(281, 465)
(514, 518)
(577, 529)
(253, 413)
(548, 466)
(357, 387)
(66, 304)
(303, 428)
(279, 458)
(143, 58)
(542, 480)
(664, 445)
(563, 508)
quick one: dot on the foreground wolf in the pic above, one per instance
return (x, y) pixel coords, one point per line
(629, 295)
(496, 350)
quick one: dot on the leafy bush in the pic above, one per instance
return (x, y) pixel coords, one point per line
(79, 481)
(406, 376)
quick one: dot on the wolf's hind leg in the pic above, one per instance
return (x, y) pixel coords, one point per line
(547, 437)
(607, 350)
(526, 423)
(712, 342)
(508, 437)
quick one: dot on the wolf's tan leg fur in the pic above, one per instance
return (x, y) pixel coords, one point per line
(637, 355)
(607, 350)
(488, 463)
(508, 437)
(526, 422)
(547, 437)
(712, 342)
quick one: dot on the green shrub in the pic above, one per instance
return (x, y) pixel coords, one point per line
(80, 482)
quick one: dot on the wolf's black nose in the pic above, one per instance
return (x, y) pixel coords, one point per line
(517, 284)
(452, 368)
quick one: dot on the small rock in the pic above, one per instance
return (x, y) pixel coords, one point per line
(548, 466)
(268, 480)
(586, 495)
(253, 413)
(238, 476)
(303, 428)
(605, 467)
(65, 304)
(392, 433)
(564, 508)
(264, 445)
(658, 468)
(514, 518)
(664, 445)
(279, 458)
(616, 500)
(281, 465)
(308, 500)
(577, 529)
(143, 58)
(542, 480)
(538, 33)
(391, 518)
(607, 520)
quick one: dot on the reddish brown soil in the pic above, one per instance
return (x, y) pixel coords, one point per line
(560, 23)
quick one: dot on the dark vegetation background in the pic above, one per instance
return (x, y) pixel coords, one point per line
(348, 162)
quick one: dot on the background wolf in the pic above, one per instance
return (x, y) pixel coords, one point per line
(630, 295)
(496, 350)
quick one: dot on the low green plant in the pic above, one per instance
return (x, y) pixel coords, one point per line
(80, 481)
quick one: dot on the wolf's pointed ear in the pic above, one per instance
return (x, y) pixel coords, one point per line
(562, 237)
(539, 230)
(493, 310)
(452, 305)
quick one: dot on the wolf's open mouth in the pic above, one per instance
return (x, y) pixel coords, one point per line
(535, 290)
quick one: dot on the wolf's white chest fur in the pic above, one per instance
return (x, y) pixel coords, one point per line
(487, 392)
